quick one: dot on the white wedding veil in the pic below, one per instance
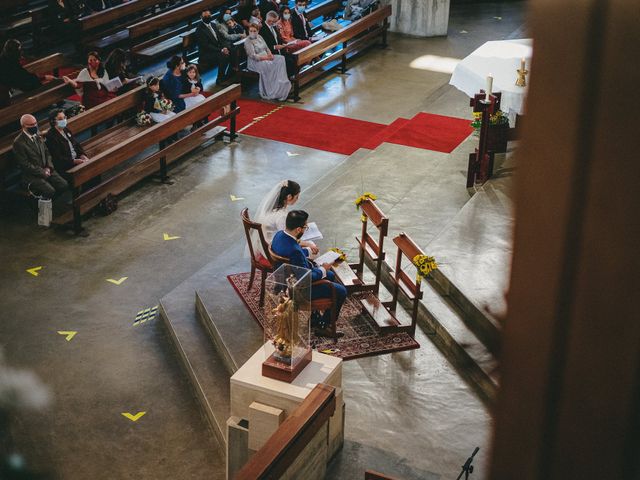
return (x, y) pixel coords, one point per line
(262, 214)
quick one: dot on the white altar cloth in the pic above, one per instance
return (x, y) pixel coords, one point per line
(501, 59)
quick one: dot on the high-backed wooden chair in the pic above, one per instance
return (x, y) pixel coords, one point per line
(317, 304)
(351, 276)
(259, 260)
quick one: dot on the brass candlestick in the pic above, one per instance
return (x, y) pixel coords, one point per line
(521, 81)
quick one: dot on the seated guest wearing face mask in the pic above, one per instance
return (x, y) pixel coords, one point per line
(66, 152)
(286, 32)
(14, 76)
(300, 22)
(274, 83)
(227, 27)
(171, 83)
(39, 175)
(213, 48)
(271, 36)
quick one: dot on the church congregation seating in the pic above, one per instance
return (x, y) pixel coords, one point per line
(148, 30)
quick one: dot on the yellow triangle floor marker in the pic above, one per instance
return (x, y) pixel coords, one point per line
(133, 418)
(116, 282)
(166, 236)
(292, 154)
(34, 271)
(235, 199)
(68, 334)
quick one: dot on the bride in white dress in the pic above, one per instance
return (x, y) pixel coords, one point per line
(273, 210)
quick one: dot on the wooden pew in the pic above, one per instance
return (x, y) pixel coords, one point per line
(115, 14)
(340, 46)
(130, 101)
(44, 97)
(142, 50)
(29, 20)
(127, 140)
(50, 63)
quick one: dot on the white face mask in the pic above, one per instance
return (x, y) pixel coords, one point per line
(286, 16)
(253, 36)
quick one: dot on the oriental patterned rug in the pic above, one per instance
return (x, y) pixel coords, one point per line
(360, 339)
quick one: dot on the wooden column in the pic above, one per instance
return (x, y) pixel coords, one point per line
(569, 403)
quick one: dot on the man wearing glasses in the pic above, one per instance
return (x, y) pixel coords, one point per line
(33, 158)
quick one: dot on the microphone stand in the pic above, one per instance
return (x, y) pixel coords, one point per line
(467, 468)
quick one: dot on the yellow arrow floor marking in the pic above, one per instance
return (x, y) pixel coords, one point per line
(116, 282)
(235, 199)
(69, 334)
(34, 271)
(166, 236)
(133, 418)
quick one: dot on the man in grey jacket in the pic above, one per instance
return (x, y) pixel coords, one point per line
(34, 159)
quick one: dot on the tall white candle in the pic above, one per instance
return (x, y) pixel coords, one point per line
(489, 85)
(522, 64)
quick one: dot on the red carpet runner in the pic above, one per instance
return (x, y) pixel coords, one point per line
(346, 135)
(360, 339)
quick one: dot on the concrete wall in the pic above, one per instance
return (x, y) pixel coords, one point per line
(422, 18)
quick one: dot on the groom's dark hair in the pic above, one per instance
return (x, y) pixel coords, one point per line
(296, 218)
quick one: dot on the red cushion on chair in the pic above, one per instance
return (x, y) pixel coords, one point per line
(264, 262)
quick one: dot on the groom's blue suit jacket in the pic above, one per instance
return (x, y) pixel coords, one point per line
(287, 246)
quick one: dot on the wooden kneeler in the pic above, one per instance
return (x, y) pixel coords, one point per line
(351, 275)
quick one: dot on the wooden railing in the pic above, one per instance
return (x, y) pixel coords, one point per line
(284, 446)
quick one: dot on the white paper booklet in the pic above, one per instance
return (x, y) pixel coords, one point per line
(312, 233)
(241, 41)
(112, 85)
(328, 257)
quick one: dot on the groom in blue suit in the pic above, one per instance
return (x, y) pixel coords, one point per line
(285, 244)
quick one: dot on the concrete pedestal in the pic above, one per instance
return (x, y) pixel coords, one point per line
(422, 18)
(266, 402)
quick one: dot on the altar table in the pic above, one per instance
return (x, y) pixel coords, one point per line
(501, 59)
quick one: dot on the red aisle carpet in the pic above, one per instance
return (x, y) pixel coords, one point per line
(432, 132)
(315, 130)
(360, 339)
(342, 135)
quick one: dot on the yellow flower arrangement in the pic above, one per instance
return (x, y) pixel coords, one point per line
(342, 257)
(363, 197)
(425, 265)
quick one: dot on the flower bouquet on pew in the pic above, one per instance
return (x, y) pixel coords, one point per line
(166, 105)
(424, 264)
(143, 119)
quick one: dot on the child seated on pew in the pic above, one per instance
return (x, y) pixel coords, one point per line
(192, 87)
(155, 103)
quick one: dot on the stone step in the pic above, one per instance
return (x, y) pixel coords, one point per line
(201, 362)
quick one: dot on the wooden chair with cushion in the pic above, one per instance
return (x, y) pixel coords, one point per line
(317, 304)
(259, 260)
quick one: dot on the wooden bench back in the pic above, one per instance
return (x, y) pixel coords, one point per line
(305, 55)
(113, 14)
(36, 101)
(107, 159)
(322, 9)
(171, 17)
(9, 5)
(46, 64)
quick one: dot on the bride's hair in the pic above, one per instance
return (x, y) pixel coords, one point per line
(289, 187)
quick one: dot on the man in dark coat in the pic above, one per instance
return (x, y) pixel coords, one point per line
(272, 38)
(213, 50)
(32, 155)
(300, 22)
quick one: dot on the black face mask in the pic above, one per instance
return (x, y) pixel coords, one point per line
(32, 130)
(206, 20)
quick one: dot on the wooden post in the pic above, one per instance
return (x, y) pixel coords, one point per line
(343, 60)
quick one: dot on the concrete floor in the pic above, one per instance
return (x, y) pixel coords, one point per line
(111, 367)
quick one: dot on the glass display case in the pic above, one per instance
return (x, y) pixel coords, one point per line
(287, 341)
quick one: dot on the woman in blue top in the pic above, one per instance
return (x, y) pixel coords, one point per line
(172, 82)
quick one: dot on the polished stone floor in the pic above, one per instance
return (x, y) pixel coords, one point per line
(431, 420)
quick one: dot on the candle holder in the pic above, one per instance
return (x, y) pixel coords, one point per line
(521, 81)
